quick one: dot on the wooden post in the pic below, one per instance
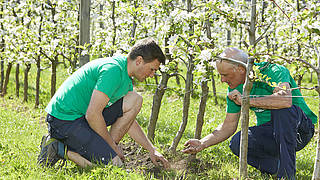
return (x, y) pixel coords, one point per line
(245, 122)
(84, 29)
(246, 100)
(316, 171)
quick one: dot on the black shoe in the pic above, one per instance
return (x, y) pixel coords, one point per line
(49, 151)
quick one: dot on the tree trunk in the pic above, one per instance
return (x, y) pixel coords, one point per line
(2, 50)
(54, 75)
(17, 79)
(316, 171)
(114, 35)
(246, 99)
(177, 76)
(36, 105)
(245, 122)
(134, 23)
(6, 80)
(84, 29)
(200, 116)
(241, 36)
(213, 84)
(202, 108)
(208, 27)
(156, 79)
(101, 24)
(228, 37)
(157, 98)
(188, 90)
(299, 79)
(2, 75)
(186, 105)
(38, 60)
(264, 6)
(146, 83)
(26, 83)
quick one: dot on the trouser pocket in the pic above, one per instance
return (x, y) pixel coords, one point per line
(305, 132)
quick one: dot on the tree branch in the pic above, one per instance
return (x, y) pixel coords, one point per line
(293, 60)
(177, 74)
(245, 43)
(262, 35)
(280, 9)
(232, 19)
(187, 42)
(185, 63)
(51, 59)
(318, 55)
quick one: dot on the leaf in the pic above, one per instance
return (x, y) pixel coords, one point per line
(274, 84)
(284, 87)
(315, 30)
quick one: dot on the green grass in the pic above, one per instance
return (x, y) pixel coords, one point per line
(22, 127)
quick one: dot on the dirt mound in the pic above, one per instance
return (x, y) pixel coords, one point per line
(138, 160)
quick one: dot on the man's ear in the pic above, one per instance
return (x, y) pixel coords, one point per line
(241, 69)
(139, 60)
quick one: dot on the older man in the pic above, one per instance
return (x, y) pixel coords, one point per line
(285, 124)
(98, 95)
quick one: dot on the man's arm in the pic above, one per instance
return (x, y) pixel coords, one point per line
(139, 136)
(223, 132)
(281, 98)
(96, 121)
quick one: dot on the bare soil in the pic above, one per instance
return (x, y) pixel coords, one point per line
(138, 160)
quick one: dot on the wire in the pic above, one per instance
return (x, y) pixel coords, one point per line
(225, 93)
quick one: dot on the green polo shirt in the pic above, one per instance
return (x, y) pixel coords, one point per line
(277, 74)
(108, 75)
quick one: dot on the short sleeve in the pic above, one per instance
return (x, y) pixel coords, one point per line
(109, 79)
(232, 107)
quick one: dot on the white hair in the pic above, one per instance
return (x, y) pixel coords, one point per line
(235, 54)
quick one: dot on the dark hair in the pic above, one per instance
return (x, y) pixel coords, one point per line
(148, 49)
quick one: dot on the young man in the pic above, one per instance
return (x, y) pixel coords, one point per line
(98, 95)
(284, 121)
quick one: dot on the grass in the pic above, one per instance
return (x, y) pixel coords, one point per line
(21, 130)
(22, 127)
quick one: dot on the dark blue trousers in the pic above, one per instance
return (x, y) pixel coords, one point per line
(78, 136)
(272, 146)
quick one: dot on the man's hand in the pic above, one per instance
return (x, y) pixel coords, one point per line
(284, 90)
(120, 153)
(155, 156)
(235, 96)
(193, 146)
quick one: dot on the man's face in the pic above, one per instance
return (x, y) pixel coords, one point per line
(231, 74)
(145, 70)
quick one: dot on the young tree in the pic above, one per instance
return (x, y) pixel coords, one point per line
(2, 48)
(165, 10)
(84, 30)
(188, 84)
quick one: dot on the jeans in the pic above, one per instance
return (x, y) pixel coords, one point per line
(272, 146)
